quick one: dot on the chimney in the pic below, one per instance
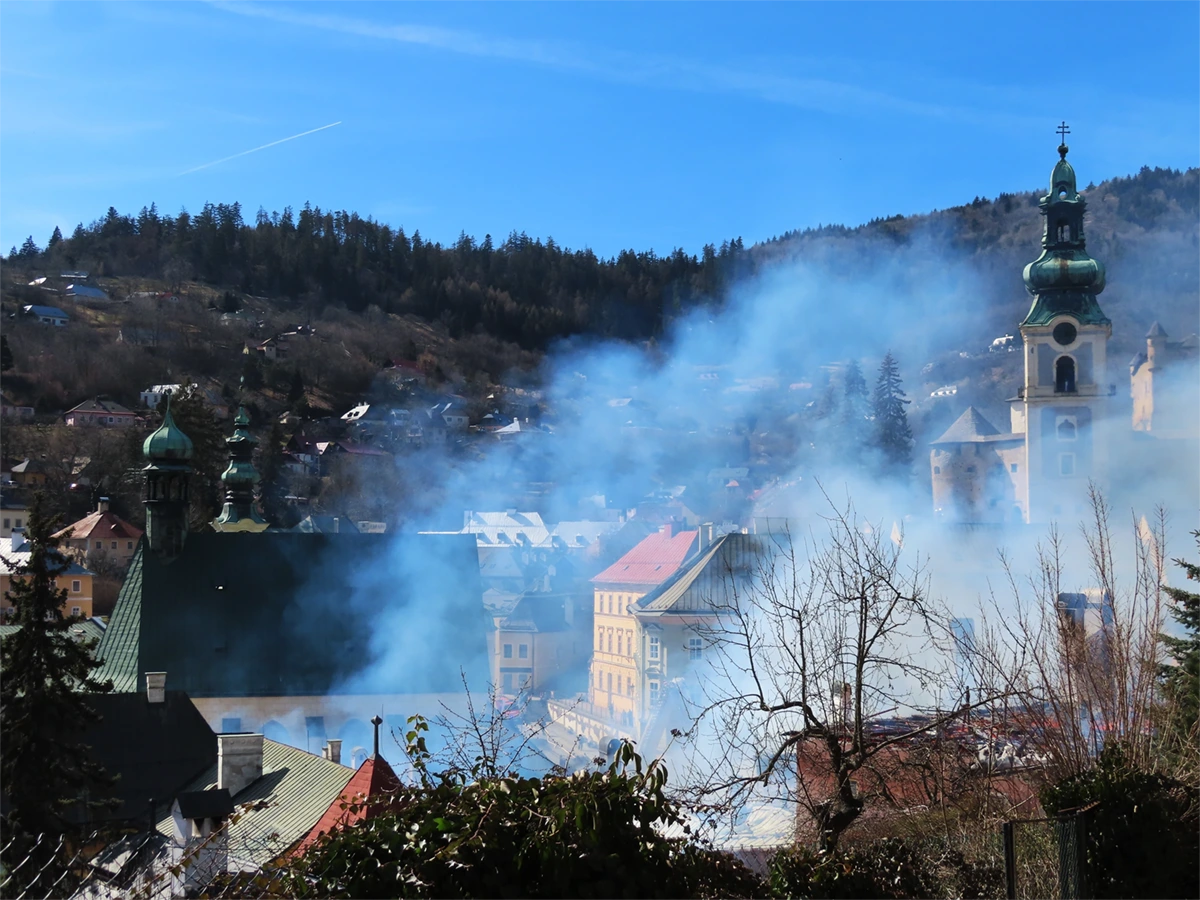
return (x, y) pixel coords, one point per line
(239, 761)
(706, 535)
(666, 530)
(337, 525)
(333, 750)
(102, 506)
(156, 687)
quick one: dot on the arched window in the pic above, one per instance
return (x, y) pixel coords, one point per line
(1066, 430)
(1064, 232)
(1064, 375)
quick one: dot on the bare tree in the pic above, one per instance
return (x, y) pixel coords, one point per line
(828, 637)
(1081, 662)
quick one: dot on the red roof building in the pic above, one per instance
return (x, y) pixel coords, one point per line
(652, 561)
(102, 535)
(365, 796)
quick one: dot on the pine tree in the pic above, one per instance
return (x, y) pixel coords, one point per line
(893, 437)
(6, 354)
(855, 409)
(45, 677)
(55, 238)
(29, 249)
(198, 421)
(1181, 681)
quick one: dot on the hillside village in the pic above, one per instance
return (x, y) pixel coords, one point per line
(289, 486)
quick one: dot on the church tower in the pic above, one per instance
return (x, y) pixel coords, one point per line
(168, 453)
(238, 513)
(1063, 410)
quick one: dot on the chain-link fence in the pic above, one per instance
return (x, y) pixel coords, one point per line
(1046, 859)
(145, 866)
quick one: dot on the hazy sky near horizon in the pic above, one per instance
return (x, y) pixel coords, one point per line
(616, 125)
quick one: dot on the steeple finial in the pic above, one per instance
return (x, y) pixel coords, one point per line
(1063, 131)
(376, 721)
(238, 513)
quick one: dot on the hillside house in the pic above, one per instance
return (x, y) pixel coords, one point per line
(101, 412)
(13, 513)
(30, 473)
(84, 292)
(47, 315)
(76, 580)
(100, 538)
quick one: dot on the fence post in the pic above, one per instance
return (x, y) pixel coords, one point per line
(1081, 845)
(1010, 860)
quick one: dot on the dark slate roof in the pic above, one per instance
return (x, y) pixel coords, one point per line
(214, 803)
(1156, 330)
(154, 748)
(101, 405)
(972, 427)
(282, 614)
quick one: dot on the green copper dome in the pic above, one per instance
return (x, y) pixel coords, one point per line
(1064, 280)
(168, 443)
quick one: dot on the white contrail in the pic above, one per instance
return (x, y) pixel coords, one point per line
(217, 162)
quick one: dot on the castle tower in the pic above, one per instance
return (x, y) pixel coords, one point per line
(238, 513)
(1063, 410)
(168, 453)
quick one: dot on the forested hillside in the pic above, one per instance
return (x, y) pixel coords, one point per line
(480, 307)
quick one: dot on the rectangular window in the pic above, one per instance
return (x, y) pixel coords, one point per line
(17, 523)
(695, 648)
(599, 639)
(654, 648)
(629, 687)
(231, 725)
(1013, 467)
(653, 693)
(610, 682)
(76, 587)
(508, 651)
(114, 546)
(523, 651)
(621, 644)
(99, 545)
(610, 640)
(508, 681)
(129, 545)
(7, 524)
(74, 610)
(1066, 464)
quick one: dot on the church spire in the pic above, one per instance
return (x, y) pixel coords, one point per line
(1064, 280)
(240, 478)
(168, 453)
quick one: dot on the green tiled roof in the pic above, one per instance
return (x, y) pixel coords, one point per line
(82, 630)
(297, 787)
(118, 650)
(280, 614)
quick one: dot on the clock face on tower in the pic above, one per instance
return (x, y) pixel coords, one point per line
(1064, 333)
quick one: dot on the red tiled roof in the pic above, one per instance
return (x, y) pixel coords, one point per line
(652, 561)
(102, 525)
(374, 780)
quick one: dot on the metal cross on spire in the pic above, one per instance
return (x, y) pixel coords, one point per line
(1063, 131)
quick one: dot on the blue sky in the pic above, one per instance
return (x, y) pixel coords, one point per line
(609, 125)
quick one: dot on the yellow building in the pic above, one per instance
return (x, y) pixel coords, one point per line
(1163, 386)
(76, 581)
(614, 677)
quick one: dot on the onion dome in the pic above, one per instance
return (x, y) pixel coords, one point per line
(168, 444)
(239, 513)
(1064, 279)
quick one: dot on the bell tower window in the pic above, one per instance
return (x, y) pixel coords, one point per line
(1064, 375)
(1064, 232)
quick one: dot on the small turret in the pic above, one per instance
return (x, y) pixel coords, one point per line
(168, 453)
(240, 478)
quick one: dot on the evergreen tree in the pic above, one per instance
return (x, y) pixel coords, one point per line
(893, 437)
(1181, 681)
(855, 410)
(198, 421)
(29, 250)
(6, 354)
(296, 390)
(55, 238)
(44, 678)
